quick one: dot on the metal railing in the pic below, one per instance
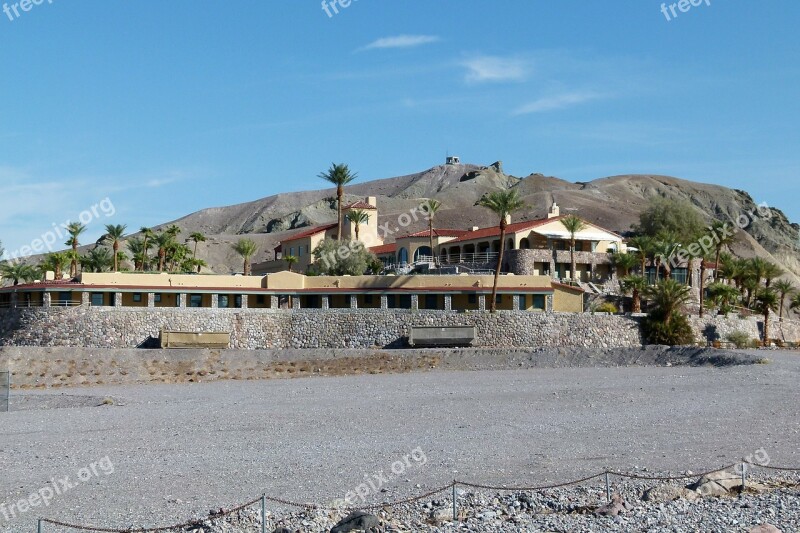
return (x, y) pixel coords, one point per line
(5, 390)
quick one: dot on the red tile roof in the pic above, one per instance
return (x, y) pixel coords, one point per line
(384, 249)
(360, 205)
(309, 232)
(438, 233)
(511, 228)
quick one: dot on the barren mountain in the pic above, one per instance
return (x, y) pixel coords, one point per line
(612, 202)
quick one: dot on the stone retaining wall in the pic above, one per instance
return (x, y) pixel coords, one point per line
(340, 328)
(312, 328)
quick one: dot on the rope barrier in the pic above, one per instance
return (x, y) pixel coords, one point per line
(452, 485)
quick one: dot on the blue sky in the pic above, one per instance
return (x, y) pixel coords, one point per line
(170, 107)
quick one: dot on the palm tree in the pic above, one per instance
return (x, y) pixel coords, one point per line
(635, 285)
(163, 242)
(340, 176)
(573, 224)
(56, 263)
(247, 249)
(723, 296)
(114, 233)
(795, 302)
(432, 206)
(74, 229)
(173, 230)
(147, 234)
(625, 261)
(771, 272)
(503, 204)
(192, 264)
(644, 247)
(664, 249)
(358, 217)
(16, 272)
(723, 239)
(97, 260)
(669, 297)
(290, 261)
(784, 288)
(766, 301)
(196, 237)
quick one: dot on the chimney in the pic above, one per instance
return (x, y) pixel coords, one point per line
(555, 211)
(475, 228)
(372, 200)
(508, 219)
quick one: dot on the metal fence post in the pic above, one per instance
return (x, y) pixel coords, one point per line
(455, 505)
(744, 478)
(263, 513)
(39, 526)
(608, 488)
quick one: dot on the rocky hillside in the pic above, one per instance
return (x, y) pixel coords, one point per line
(613, 202)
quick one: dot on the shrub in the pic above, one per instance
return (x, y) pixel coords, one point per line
(740, 339)
(606, 307)
(676, 332)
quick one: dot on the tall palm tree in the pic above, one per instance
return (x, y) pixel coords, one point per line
(723, 240)
(147, 234)
(766, 302)
(635, 285)
(771, 272)
(163, 242)
(664, 249)
(196, 237)
(669, 297)
(136, 247)
(16, 272)
(340, 176)
(97, 260)
(290, 261)
(432, 206)
(723, 296)
(644, 247)
(503, 204)
(573, 224)
(247, 249)
(784, 288)
(114, 233)
(173, 230)
(75, 229)
(358, 217)
(795, 302)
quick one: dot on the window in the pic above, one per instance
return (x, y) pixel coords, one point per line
(431, 301)
(237, 302)
(680, 275)
(313, 301)
(368, 299)
(157, 297)
(64, 298)
(291, 250)
(137, 297)
(498, 299)
(299, 251)
(472, 298)
(261, 299)
(523, 302)
(539, 301)
(223, 301)
(98, 299)
(196, 300)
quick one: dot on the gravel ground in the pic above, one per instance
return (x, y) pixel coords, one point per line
(178, 451)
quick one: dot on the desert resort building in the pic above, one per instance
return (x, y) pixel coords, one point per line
(455, 276)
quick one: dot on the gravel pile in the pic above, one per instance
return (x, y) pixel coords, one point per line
(574, 510)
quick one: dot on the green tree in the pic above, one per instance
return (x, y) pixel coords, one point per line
(163, 242)
(766, 302)
(75, 229)
(625, 261)
(55, 262)
(678, 217)
(795, 304)
(97, 260)
(290, 261)
(246, 248)
(503, 204)
(644, 248)
(722, 296)
(340, 176)
(136, 247)
(431, 207)
(342, 258)
(667, 323)
(114, 234)
(147, 235)
(196, 237)
(784, 288)
(18, 272)
(573, 224)
(635, 286)
(723, 238)
(358, 217)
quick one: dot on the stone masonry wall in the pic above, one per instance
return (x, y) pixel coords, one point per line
(340, 328)
(334, 328)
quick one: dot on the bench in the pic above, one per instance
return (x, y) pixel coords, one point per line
(181, 339)
(433, 336)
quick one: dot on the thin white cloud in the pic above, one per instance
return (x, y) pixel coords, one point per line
(484, 69)
(560, 101)
(401, 41)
